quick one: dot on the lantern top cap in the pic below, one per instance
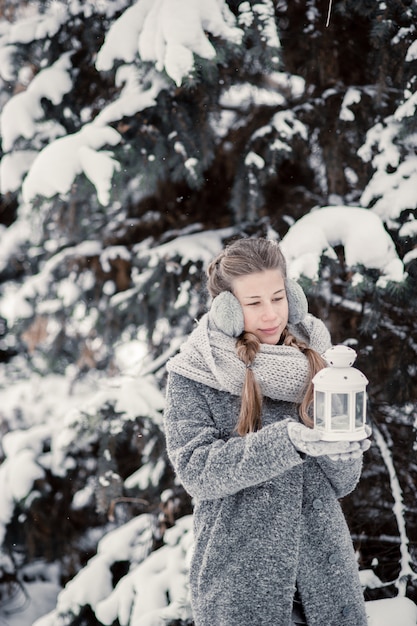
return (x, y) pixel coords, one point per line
(340, 356)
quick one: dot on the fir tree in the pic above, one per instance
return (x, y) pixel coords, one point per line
(123, 171)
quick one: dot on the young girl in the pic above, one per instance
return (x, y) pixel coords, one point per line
(269, 533)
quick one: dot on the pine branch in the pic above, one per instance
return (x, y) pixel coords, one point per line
(406, 573)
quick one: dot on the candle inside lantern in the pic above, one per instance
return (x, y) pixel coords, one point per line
(339, 397)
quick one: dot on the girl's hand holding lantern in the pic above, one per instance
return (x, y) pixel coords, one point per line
(309, 442)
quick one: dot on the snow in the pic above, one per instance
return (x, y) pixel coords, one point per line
(17, 475)
(360, 231)
(20, 113)
(391, 189)
(16, 304)
(411, 52)
(168, 33)
(254, 159)
(265, 12)
(13, 167)
(352, 96)
(11, 239)
(99, 168)
(41, 598)
(92, 584)
(56, 166)
(399, 511)
(244, 96)
(39, 26)
(122, 38)
(142, 596)
(111, 253)
(396, 191)
(390, 612)
(287, 125)
(410, 256)
(133, 96)
(6, 62)
(24, 461)
(165, 35)
(199, 246)
(407, 109)
(156, 586)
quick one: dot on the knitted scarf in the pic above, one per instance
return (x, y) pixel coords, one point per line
(209, 357)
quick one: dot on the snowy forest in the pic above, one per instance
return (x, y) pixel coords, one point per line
(137, 139)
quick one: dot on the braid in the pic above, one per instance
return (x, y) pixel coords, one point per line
(247, 347)
(217, 282)
(316, 363)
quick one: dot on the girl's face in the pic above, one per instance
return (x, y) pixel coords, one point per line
(264, 302)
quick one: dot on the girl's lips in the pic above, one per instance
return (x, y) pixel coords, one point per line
(269, 331)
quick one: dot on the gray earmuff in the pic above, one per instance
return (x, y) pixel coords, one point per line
(226, 312)
(297, 301)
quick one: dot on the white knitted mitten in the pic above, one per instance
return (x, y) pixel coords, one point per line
(307, 441)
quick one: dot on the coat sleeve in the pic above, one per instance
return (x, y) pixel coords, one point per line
(210, 467)
(343, 475)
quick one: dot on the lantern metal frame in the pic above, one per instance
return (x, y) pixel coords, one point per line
(340, 397)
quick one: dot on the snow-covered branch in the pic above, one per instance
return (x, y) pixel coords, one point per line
(56, 166)
(361, 232)
(168, 33)
(406, 572)
(22, 112)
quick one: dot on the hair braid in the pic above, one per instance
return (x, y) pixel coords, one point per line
(250, 416)
(316, 363)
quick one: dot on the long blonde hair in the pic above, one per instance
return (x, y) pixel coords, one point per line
(240, 258)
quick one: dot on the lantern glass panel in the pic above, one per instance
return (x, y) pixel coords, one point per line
(320, 408)
(359, 408)
(340, 411)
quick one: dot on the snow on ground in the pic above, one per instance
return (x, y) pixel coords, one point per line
(141, 597)
(391, 612)
(42, 600)
(23, 611)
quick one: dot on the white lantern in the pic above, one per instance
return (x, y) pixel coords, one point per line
(340, 397)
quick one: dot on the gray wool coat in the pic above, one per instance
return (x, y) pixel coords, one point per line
(265, 519)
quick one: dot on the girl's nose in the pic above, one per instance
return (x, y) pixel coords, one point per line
(268, 312)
